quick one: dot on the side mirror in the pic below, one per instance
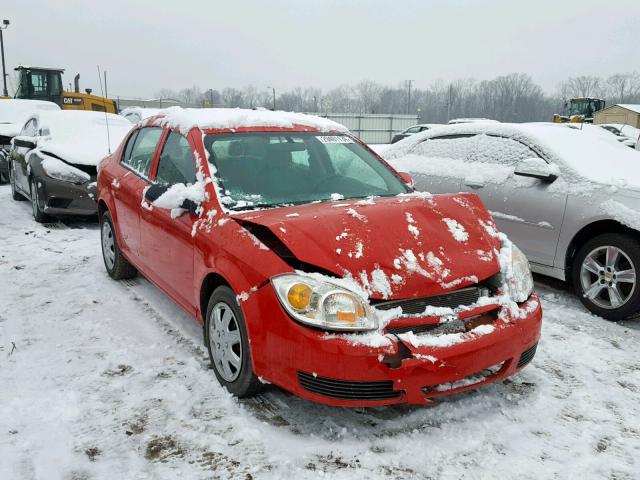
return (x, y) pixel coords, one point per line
(537, 168)
(24, 142)
(156, 190)
(407, 178)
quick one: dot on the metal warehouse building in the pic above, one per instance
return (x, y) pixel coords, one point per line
(624, 113)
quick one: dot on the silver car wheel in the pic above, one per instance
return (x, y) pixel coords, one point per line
(34, 198)
(225, 341)
(608, 277)
(108, 245)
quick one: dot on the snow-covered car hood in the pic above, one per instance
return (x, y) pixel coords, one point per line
(396, 247)
(89, 153)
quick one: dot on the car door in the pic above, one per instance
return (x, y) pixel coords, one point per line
(527, 209)
(167, 240)
(128, 188)
(20, 156)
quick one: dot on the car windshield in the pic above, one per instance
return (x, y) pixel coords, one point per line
(273, 169)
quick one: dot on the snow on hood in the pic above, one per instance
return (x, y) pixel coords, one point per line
(185, 119)
(79, 136)
(15, 112)
(591, 157)
(395, 247)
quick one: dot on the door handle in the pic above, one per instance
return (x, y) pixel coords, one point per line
(474, 185)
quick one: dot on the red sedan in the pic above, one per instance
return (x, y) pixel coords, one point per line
(311, 263)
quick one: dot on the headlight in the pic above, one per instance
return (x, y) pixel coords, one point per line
(59, 170)
(323, 304)
(515, 276)
(521, 281)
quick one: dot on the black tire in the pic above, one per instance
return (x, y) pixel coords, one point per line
(117, 266)
(14, 193)
(628, 259)
(38, 215)
(246, 384)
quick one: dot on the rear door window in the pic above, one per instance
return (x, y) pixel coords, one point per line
(140, 150)
(176, 161)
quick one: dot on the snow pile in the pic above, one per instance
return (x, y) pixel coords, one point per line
(186, 119)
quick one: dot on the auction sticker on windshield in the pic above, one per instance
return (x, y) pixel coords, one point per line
(334, 139)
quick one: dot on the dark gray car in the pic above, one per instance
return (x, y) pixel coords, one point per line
(53, 162)
(569, 200)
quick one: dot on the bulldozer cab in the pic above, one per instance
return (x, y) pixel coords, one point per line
(584, 106)
(38, 83)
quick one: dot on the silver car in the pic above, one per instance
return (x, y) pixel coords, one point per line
(571, 201)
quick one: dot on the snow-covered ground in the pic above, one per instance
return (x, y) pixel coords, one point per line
(102, 380)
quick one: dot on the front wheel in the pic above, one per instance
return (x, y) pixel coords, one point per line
(604, 275)
(38, 214)
(225, 334)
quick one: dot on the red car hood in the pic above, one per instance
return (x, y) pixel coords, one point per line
(395, 247)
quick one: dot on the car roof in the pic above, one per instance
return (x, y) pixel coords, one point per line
(231, 119)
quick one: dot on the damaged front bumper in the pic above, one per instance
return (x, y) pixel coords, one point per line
(391, 368)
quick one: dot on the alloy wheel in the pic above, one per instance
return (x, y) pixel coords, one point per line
(35, 202)
(608, 277)
(225, 342)
(108, 245)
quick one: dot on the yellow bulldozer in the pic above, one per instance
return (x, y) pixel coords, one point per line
(579, 110)
(39, 83)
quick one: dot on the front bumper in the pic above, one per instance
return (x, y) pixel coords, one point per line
(65, 198)
(360, 371)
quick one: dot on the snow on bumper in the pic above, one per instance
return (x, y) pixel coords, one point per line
(376, 369)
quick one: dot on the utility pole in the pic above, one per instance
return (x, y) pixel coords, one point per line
(211, 97)
(274, 97)
(449, 103)
(5, 92)
(409, 97)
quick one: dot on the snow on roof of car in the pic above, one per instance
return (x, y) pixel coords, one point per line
(455, 121)
(15, 112)
(80, 136)
(590, 156)
(185, 119)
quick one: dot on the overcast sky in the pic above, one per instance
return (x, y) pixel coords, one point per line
(147, 45)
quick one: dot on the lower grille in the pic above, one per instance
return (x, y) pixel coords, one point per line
(58, 202)
(527, 356)
(416, 306)
(347, 390)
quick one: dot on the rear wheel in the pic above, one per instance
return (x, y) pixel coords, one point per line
(12, 181)
(117, 266)
(604, 275)
(38, 214)
(228, 344)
